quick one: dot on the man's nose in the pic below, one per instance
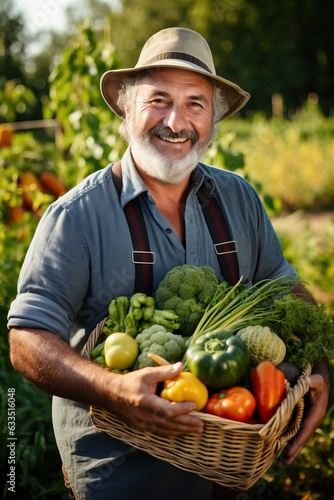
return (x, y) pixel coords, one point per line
(175, 119)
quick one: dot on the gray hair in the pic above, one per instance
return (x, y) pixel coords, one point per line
(128, 90)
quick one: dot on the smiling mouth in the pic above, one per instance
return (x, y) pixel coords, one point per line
(175, 140)
(167, 135)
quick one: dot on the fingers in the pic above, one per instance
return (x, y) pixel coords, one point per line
(160, 423)
(165, 418)
(294, 447)
(166, 372)
(150, 412)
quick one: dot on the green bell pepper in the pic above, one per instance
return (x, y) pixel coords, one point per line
(218, 359)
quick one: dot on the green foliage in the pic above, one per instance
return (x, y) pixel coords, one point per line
(89, 126)
(37, 466)
(16, 78)
(292, 159)
(310, 323)
(311, 253)
(222, 154)
(259, 59)
(15, 98)
(25, 154)
(89, 143)
(292, 57)
(13, 42)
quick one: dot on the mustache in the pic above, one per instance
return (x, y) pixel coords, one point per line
(167, 133)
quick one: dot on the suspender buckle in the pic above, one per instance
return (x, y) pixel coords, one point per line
(143, 257)
(226, 247)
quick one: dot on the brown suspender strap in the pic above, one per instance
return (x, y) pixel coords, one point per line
(142, 258)
(225, 248)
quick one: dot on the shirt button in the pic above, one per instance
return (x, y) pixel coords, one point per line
(168, 230)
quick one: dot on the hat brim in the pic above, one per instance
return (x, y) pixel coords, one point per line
(112, 80)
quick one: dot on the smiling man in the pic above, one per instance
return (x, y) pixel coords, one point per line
(170, 123)
(82, 256)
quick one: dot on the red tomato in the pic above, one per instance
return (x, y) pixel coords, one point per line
(235, 403)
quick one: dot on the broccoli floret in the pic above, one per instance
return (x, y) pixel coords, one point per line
(174, 349)
(143, 361)
(158, 340)
(187, 290)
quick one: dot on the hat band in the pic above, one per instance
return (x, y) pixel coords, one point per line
(179, 55)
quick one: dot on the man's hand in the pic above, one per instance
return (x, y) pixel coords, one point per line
(138, 405)
(54, 367)
(316, 402)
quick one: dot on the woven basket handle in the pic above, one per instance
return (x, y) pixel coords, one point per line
(293, 426)
(92, 339)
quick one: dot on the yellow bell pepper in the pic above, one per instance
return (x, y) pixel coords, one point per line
(185, 387)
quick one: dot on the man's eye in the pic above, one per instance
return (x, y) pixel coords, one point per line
(158, 101)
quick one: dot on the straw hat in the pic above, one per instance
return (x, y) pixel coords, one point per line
(174, 48)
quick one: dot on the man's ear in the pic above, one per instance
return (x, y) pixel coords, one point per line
(126, 109)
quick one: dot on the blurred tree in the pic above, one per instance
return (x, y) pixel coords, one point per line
(18, 81)
(284, 48)
(13, 41)
(269, 48)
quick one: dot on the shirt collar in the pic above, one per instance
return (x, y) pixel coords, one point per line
(201, 175)
(133, 184)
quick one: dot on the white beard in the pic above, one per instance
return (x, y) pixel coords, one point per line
(164, 168)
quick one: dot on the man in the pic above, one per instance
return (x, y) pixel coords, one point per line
(80, 258)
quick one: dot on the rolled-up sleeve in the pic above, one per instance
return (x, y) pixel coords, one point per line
(54, 277)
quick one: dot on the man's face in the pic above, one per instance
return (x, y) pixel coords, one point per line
(170, 122)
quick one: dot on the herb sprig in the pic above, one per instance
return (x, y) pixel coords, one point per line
(311, 324)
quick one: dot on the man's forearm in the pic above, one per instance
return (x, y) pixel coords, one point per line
(54, 367)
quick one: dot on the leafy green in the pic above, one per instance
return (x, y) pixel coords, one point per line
(314, 328)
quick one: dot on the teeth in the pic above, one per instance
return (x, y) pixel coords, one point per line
(169, 139)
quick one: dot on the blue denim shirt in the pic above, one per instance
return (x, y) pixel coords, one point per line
(81, 257)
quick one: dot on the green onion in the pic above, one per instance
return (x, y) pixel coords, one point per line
(234, 308)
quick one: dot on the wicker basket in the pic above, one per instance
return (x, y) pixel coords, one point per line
(231, 453)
